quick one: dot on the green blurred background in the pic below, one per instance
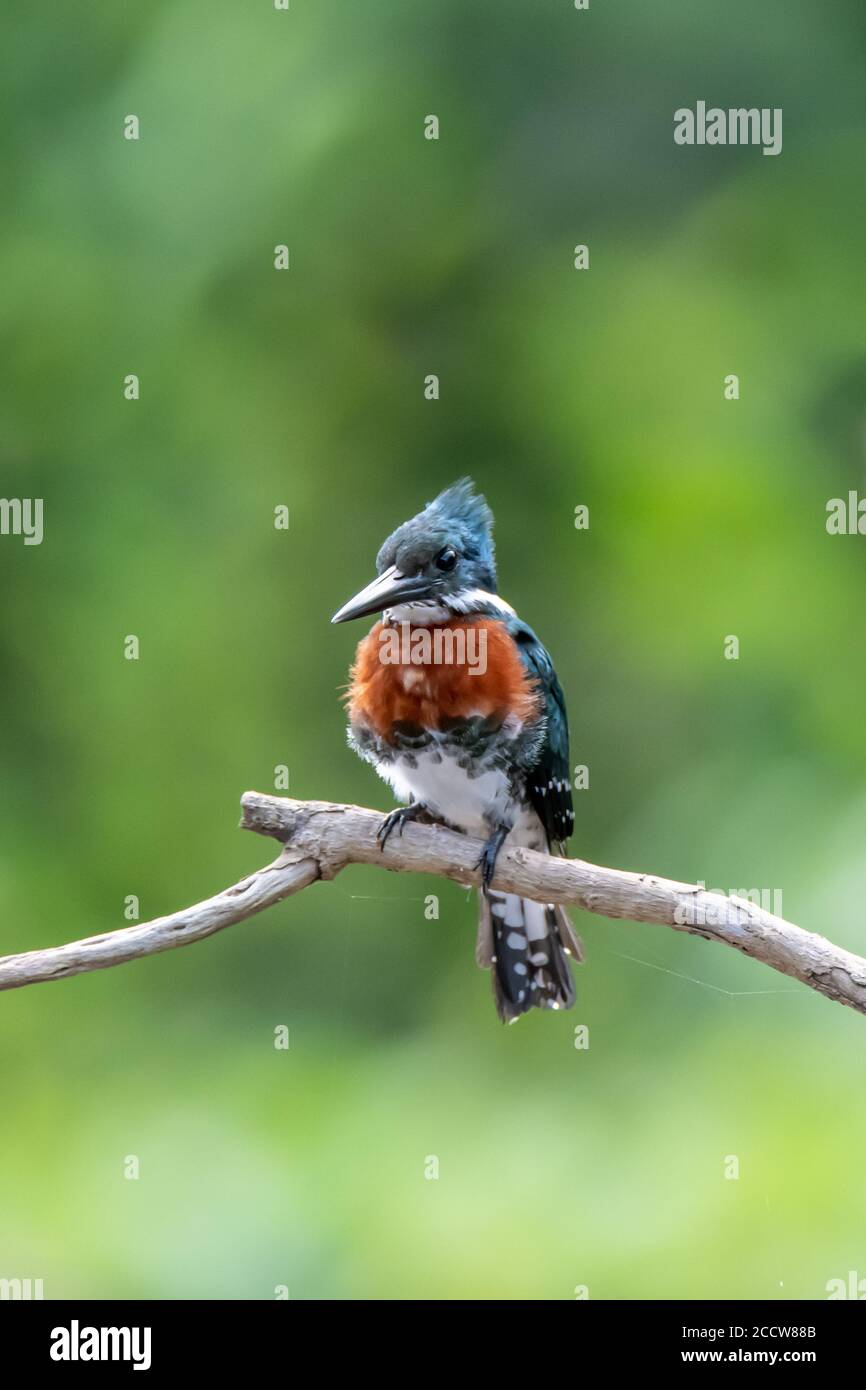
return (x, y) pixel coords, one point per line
(557, 1167)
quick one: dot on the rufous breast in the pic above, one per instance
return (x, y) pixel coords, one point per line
(428, 676)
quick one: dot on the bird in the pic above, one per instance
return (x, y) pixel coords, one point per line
(456, 704)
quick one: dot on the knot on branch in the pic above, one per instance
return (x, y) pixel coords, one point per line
(289, 822)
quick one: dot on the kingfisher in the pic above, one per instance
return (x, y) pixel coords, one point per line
(456, 704)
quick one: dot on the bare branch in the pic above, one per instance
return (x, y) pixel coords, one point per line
(270, 885)
(321, 838)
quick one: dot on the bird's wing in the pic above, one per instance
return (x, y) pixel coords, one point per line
(549, 781)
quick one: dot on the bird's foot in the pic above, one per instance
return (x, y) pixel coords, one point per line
(487, 862)
(397, 819)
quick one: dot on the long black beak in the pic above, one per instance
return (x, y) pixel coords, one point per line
(386, 591)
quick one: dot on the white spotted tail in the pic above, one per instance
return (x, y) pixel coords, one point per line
(527, 946)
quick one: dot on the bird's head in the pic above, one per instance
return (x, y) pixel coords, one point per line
(437, 559)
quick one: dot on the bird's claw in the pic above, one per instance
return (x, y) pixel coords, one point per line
(395, 820)
(487, 862)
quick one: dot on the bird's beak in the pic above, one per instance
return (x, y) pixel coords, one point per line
(386, 591)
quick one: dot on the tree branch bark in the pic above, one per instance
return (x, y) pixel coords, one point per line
(320, 838)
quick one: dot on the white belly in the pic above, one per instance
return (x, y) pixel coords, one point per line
(474, 804)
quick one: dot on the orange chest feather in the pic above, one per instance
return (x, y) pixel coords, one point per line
(411, 675)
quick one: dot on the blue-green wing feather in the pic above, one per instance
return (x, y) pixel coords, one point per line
(549, 781)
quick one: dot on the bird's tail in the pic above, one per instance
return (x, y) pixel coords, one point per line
(526, 945)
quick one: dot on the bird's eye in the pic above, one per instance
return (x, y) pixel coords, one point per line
(446, 559)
